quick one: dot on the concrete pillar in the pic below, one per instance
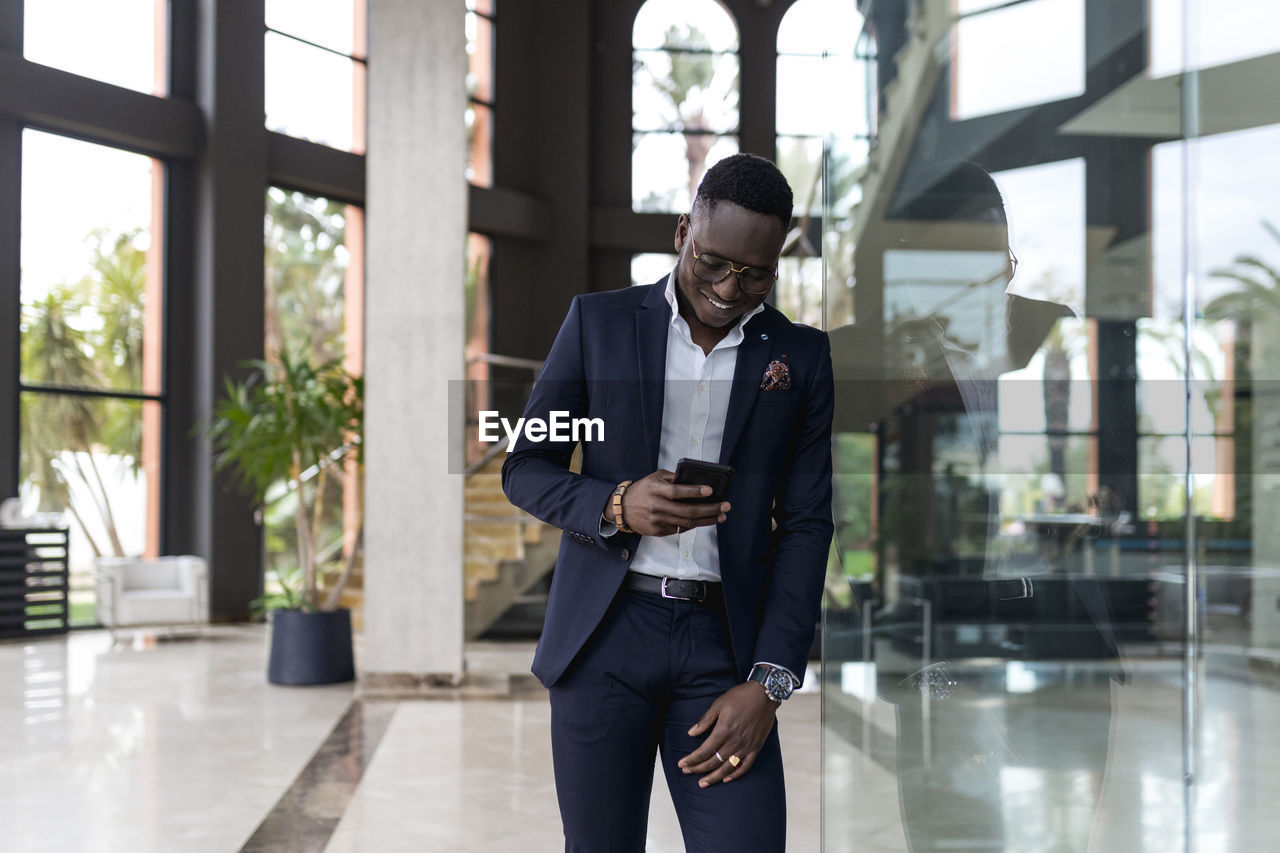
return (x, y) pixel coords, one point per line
(414, 337)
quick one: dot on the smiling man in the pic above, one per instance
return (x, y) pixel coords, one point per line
(678, 625)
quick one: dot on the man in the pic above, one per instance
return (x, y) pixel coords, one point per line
(671, 626)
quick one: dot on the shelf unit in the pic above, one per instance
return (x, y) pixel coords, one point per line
(33, 581)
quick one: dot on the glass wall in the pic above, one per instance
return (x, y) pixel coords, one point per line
(90, 368)
(1051, 619)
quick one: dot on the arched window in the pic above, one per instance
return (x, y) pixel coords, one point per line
(822, 105)
(684, 99)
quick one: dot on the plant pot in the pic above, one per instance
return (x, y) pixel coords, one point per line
(310, 648)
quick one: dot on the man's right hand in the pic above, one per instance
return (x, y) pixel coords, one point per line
(651, 506)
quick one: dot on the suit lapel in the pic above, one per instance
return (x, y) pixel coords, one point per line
(652, 322)
(754, 354)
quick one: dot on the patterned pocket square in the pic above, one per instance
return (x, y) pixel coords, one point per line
(777, 376)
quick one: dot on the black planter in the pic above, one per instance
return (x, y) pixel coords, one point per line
(310, 648)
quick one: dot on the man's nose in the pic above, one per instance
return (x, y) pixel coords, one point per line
(727, 291)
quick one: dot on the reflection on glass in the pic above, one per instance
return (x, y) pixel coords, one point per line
(122, 42)
(660, 159)
(88, 458)
(1044, 35)
(309, 92)
(1048, 239)
(328, 23)
(648, 268)
(479, 57)
(91, 288)
(1187, 34)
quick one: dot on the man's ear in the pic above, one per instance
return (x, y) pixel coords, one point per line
(682, 232)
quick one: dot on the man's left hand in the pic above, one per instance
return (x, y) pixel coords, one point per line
(738, 721)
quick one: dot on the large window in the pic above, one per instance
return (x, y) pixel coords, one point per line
(315, 70)
(313, 309)
(121, 42)
(91, 392)
(684, 100)
(481, 26)
(818, 66)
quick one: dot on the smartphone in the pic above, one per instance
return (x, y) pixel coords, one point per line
(699, 473)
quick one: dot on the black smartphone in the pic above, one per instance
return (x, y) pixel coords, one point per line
(699, 473)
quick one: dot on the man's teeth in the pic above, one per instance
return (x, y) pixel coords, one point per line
(719, 305)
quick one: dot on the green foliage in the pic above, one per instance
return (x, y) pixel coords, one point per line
(290, 424)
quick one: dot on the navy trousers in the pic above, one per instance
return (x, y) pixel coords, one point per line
(647, 674)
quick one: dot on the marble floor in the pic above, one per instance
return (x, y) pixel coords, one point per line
(181, 745)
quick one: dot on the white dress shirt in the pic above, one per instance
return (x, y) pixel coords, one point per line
(695, 402)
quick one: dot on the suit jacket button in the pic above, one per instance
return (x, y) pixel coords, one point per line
(626, 555)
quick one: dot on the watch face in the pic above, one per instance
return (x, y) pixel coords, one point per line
(778, 684)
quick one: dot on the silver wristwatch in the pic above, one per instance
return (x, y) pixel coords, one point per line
(777, 682)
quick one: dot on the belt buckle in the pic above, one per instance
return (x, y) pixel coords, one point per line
(673, 597)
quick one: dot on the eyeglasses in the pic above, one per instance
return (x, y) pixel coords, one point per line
(714, 269)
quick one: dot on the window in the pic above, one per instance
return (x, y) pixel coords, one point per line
(818, 68)
(121, 42)
(684, 100)
(315, 70)
(481, 28)
(314, 307)
(90, 368)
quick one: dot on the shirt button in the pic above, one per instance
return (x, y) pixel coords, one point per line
(695, 442)
(684, 554)
(626, 555)
(702, 387)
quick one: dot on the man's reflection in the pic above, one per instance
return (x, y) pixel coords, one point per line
(1001, 743)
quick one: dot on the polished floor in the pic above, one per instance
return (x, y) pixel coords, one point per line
(180, 745)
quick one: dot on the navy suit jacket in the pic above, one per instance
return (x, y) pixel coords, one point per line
(609, 362)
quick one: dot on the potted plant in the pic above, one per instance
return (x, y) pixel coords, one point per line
(292, 425)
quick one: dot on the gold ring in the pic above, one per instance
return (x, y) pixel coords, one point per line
(734, 761)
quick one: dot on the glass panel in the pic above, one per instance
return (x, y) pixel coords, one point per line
(122, 42)
(798, 293)
(328, 23)
(648, 268)
(659, 160)
(685, 91)
(91, 282)
(307, 264)
(479, 57)
(811, 94)
(1020, 665)
(817, 27)
(479, 119)
(702, 24)
(309, 92)
(96, 461)
(1223, 31)
(1045, 35)
(800, 159)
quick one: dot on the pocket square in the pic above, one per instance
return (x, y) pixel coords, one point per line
(777, 376)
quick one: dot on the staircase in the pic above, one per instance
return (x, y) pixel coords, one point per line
(506, 551)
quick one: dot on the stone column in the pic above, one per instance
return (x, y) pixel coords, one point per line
(414, 336)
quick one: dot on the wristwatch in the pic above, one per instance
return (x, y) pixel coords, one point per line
(777, 682)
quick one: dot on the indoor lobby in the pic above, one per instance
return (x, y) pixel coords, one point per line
(265, 263)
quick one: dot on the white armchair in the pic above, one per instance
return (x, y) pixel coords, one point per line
(133, 591)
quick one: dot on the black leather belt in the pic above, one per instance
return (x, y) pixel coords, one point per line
(700, 592)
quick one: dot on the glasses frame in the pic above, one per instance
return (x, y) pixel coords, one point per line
(734, 270)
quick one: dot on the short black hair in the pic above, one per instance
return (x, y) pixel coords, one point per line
(748, 181)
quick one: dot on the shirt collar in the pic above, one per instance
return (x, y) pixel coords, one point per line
(736, 334)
